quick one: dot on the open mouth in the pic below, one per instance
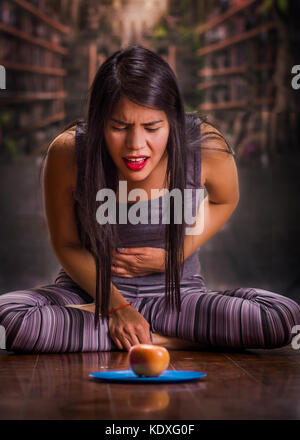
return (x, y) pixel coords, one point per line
(136, 164)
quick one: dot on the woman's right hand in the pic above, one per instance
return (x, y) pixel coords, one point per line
(128, 327)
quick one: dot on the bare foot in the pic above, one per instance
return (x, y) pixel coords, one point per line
(87, 307)
(172, 343)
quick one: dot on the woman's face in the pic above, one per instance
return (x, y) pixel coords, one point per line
(132, 132)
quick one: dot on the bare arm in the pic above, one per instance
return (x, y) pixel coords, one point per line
(221, 183)
(59, 182)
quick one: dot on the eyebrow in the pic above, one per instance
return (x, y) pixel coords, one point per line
(146, 124)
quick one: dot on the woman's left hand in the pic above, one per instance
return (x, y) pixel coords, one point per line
(138, 262)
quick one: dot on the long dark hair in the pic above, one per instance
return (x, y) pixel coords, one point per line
(146, 79)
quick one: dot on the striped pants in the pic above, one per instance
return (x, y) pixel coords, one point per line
(36, 320)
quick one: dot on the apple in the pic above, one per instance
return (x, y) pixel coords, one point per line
(148, 360)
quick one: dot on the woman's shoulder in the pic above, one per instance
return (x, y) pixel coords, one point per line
(214, 146)
(61, 153)
(203, 135)
(209, 142)
(64, 142)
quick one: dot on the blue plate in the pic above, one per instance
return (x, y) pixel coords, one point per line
(167, 376)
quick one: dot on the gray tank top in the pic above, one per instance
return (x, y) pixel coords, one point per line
(146, 235)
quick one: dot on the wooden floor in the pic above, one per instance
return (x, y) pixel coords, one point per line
(251, 385)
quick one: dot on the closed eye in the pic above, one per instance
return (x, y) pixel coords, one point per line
(146, 128)
(152, 129)
(119, 129)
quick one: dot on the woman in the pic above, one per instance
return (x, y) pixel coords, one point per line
(152, 291)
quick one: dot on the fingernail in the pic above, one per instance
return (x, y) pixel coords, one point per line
(121, 249)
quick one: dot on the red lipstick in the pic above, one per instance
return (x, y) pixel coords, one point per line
(135, 163)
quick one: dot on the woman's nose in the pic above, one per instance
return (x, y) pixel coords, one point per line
(135, 139)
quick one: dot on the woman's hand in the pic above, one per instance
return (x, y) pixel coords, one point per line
(138, 262)
(128, 327)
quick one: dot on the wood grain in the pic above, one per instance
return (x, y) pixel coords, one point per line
(250, 384)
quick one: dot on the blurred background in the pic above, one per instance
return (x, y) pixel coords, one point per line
(233, 60)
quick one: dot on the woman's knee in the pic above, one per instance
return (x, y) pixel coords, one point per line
(19, 309)
(15, 305)
(22, 298)
(279, 317)
(51, 329)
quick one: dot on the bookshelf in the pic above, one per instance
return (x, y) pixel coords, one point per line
(32, 40)
(235, 70)
(238, 53)
(217, 21)
(42, 123)
(32, 52)
(230, 105)
(36, 69)
(42, 16)
(236, 39)
(236, 90)
(29, 97)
